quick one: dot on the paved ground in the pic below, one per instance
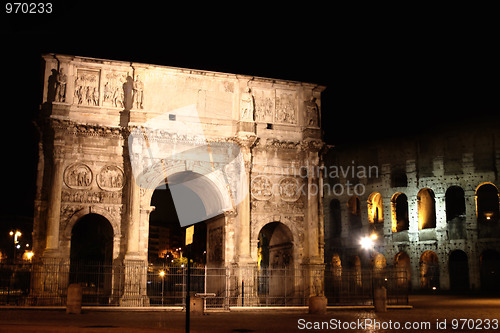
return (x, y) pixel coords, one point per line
(430, 313)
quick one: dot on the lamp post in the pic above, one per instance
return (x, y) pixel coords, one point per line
(15, 234)
(162, 274)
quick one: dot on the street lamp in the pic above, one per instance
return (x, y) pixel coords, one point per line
(162, 275)
(15, 235)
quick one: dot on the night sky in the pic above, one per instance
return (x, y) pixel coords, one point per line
(386, 75)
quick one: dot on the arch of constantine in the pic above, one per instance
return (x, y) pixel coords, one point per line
(112, 133)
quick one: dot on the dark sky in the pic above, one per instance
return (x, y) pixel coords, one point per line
(386, 75)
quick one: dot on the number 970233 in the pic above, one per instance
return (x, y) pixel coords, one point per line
(28, 8)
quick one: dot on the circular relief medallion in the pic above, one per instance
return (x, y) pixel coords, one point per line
(110, 178)
(289, 189)
(78, 176)
(261, 188)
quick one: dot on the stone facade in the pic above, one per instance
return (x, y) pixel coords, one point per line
(91, 106)
(431, 200)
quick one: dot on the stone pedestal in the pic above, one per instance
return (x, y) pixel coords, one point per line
(135, 293)
(317, 304)
(196, 306)
(48, 280)
(380, 299)
(74, 301)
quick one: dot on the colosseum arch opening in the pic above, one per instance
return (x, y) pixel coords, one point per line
(487, 210)
(458, 265)
(399, 214)
(426, 204)
(429, 271)
(455, 212)
(376, 213)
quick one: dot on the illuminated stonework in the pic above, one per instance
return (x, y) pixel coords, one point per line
(90, 107)
(434, 209)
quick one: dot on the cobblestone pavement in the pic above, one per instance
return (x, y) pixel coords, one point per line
(430, 314)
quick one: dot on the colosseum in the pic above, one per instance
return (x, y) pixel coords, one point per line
(426, 204)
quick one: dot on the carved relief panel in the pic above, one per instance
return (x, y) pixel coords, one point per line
(114, 92)
(289, 189)
(91, 197)
(110, 178)
(276, 105)
(261, 188)
(87, 87)
(286, 106)
(264, 105)
(78, 176)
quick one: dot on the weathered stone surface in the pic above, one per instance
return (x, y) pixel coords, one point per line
(91, 106)
(442, 179)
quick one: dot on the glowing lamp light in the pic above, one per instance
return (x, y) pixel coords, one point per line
(16, 234)
(373, 236)
(366, 243)
(488, 216)
(28, 255)
(162, 273)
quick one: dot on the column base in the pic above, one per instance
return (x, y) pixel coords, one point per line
(135, 287)
(134, 301)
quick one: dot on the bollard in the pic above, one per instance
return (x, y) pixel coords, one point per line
(317, 304)
(74, 301)
(380, 299)
(197, 306)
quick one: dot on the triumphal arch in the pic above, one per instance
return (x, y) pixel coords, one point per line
(113, 132)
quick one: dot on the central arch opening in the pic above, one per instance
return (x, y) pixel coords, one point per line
(184, 199)
(167, 237)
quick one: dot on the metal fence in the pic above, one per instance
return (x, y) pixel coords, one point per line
(37, 284)
(356, 286)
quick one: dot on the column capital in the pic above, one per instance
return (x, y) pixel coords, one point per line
(246, 139)
(230, 213)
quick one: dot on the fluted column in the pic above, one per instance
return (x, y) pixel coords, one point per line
(246, 140)
(244, 209)
(133, 219)
(54, 206)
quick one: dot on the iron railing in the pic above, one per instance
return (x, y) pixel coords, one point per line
(46, 284)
